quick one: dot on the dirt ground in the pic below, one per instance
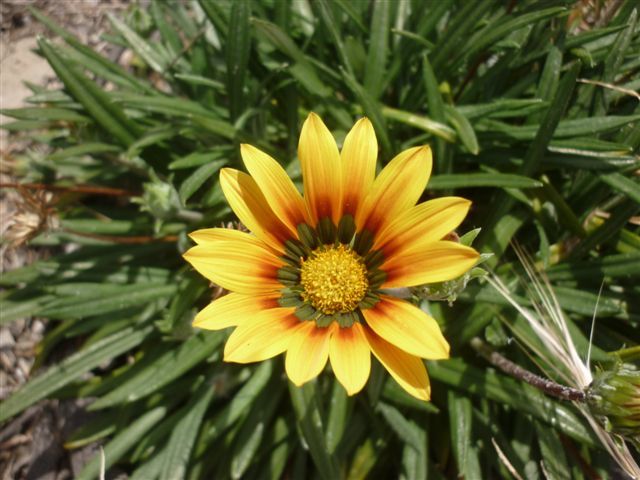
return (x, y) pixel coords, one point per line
(31, 445)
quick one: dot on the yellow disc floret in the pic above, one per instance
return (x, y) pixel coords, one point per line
(334, 279)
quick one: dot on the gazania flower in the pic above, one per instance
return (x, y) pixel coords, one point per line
(310, 279)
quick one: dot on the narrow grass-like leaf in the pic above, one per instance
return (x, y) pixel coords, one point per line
(238, 46)
(463, 128)
(522, 397)
(194, 181)
(144, 49)
(123, 442)
(423, 123)
(337, 420)
(178, 451)
(305, 404)
(254, 429)
(415, 451)
(22, 307)
(84, 149)
(504, 26)
(623, 184)
(460, 426)
(239, 405)
(611, 266)
(95, 303)
(378, 43)
(566, 128)
(50, 113)
(304, 71)
(94, 61)
(95, 101)
(326, 16)
(70, 369)
(464, 180)
(163, 370)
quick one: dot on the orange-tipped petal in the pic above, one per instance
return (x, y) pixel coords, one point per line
(350, 357)
(434, 262)
(321, 175)
(233, 309)
(397, 188)
(407, 327)
(307, 353)
(244, 265)
(409, 371)
(278, 189)
(359, 154)
(265, 336)
(251, 207)
(423, 224)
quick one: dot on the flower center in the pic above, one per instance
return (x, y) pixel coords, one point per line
(334, 279)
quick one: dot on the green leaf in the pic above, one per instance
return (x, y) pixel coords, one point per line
(305, 405)
(304, 71)
(467, 180)
(423, 123)
(22, 307)
(83, 149)
(197, 159)
(374, 77)
(144, 49)
(95, 101)
(178, 451)
(327, 18)
(253, 431)
(93, 61)
(154, 375)
(238, 46)
(49, 113)
(463, 128)
(566, 128)
(506, 25)
(123, 442)
(611, 266)
(522, 397)
(338, 412)
(623, 184)
(415, 461)
(72, 368)
(194, 181)
(460, 425)
(92, 303)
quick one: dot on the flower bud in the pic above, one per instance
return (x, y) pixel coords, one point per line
(614, 398)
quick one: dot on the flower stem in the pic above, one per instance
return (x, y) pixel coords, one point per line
(507, 366)
(87, 189)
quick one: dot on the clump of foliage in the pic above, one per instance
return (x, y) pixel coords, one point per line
(531, 117)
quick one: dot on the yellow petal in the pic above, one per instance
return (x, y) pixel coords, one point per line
(320, 162)
(409, 371)
(359, 154)
(307, 353)
(407, 327)
(211, 235)
(248, 203)
(232, 310)
(434, 262)
(280, 192)
(397, 188)
(423, 224)
(243, 266)
(265, 336)
(350, 357)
